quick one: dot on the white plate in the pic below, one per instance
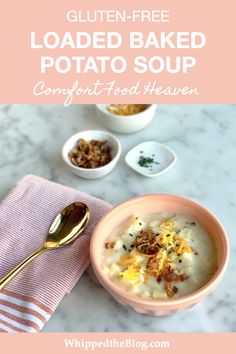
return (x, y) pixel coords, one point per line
(162, 156)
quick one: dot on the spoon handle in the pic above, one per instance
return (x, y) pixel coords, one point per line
(4, 281)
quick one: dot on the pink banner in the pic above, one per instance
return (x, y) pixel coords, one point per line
(93, 52)
(61, 343)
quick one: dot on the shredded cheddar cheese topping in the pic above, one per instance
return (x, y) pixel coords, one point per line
(133, 274)
(126, 109)
(127, 260)
(159, 258)
(160, 251)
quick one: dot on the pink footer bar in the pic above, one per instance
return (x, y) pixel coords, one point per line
(166, 343)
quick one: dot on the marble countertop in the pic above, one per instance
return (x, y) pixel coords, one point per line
(203, 137)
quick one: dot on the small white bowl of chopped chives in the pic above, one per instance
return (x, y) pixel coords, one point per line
(126, 118)
(150, 159)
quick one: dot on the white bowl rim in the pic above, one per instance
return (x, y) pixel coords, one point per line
(65, 151)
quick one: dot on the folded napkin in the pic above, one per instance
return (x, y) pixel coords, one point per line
(26, 214)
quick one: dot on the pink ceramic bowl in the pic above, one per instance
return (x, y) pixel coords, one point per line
(155, 204)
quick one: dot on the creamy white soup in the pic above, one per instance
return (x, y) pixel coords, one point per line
(159, 256)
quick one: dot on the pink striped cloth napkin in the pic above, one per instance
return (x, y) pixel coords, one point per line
(29, 300)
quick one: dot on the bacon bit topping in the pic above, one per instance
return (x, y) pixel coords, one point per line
(175, 289)
(171, 289)
(146, 242)
(146, 236)
(109, 245)
(161, 248)
(182, 277)
(171, 277)
(148, 250)
(156, 264)
(90, 154)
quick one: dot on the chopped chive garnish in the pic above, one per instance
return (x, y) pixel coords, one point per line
(144, 249)
(145, 161)
(125, 248)
(131, 235)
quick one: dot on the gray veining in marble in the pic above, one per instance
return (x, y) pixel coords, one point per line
(203, 137)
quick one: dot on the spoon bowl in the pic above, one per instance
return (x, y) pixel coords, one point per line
(67, 225)
(65, 228)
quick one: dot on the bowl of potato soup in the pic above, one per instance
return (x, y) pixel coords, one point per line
(159, 254)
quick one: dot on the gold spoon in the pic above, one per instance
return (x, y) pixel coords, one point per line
(66, 227)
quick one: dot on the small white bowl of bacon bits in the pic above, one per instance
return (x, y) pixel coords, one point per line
(91, 154)
(126, 118)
